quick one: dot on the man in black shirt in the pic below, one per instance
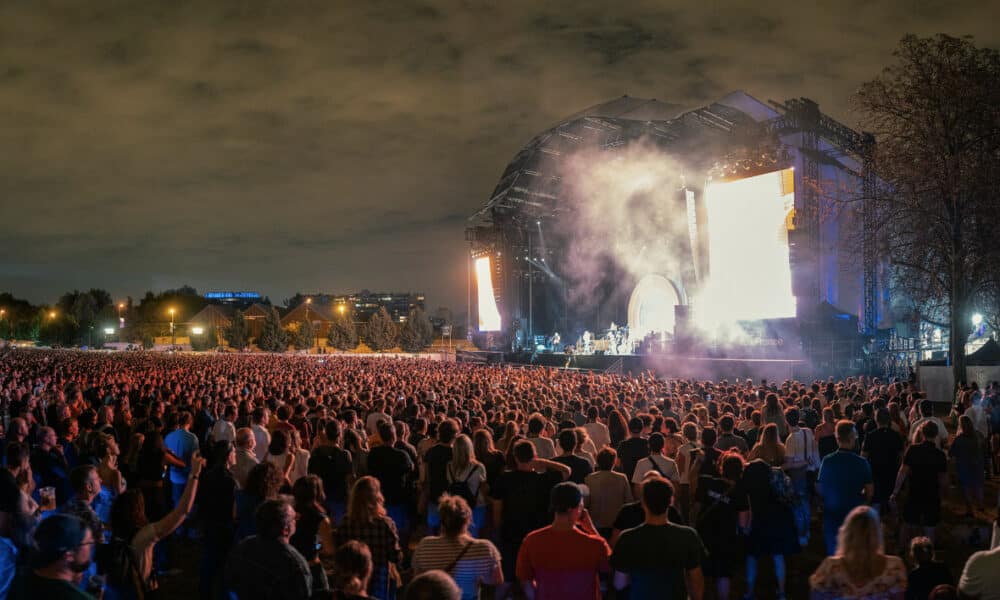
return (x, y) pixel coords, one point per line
(579, 467)
(634, 448)
(433, 476)
(391, 467)
(883, 448)
(927, 468)
(520, 502)
(266, 566)
(333, 465)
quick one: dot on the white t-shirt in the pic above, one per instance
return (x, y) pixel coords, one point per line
(664, 465)
(223, 430)
(981, 576)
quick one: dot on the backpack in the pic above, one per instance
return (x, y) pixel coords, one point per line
(462, 490)
(117, 562)
(782, 490)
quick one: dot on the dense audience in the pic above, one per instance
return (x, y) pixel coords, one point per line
(299, 477)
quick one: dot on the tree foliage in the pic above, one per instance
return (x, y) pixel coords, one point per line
(305, 335)
(935, 113)
(237, 334)
(416, 334)
(343, 335)
(380, 332)
(272, 337)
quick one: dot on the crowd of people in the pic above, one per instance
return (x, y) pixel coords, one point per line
(296, 477)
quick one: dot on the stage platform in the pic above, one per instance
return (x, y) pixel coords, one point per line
(662, 365)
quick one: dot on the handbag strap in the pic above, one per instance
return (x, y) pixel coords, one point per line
(454, 563)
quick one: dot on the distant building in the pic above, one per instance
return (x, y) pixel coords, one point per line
(220, 316)
(364, 304)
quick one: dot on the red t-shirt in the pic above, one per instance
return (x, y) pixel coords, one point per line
(564, 564)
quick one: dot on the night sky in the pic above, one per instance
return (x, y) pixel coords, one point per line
(336, 145)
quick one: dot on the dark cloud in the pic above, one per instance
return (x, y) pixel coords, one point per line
(284, 145)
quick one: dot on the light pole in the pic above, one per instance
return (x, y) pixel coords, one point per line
(308, 302)
(3, 313)
(173, 338)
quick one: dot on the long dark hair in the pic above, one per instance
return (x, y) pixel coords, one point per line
(128, 514)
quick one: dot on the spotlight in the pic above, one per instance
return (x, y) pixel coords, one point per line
(977, 319)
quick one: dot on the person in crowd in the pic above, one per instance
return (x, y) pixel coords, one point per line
(520, 503)
(352, 570)
(366, 520)
(769, 447)
(491, 458)
(392, 467)
(597, 431)
(472, 563)
(772, 525)
(112, 481)
(980, 579)
(544, 448)
(656, 461)
(216, 500)
(926, 467)
(969, 456)
(774, 412)
(313, 536)
(826, 433)
(859, 569)
(801, 464)
(844, 482)
(131, 527)
(246, 457)
(728, 440)
(883, 448)
(685, 460)
(926, 413)
(723, 509)
(266, 566)
(18, 457)
(433, 585)
(182, 444)
(928, 573)
(609, 491)
(569, 448)
(466, 478)
(86, 485)
(16, 528)
(280, 455)
(64, 547)
(633, 449)
(333, 465)
(659, 558)
(49, 466)
(433, 474)
(564, 559)
(262, 437)
(223, 429)
(263, 483)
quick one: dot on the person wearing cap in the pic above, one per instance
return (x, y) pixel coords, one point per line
(64, 546)
(564, 559)
(659, 559)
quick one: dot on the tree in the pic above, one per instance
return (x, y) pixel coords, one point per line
(417, 333)
(380, 332)
(237, 335)
(272, 336)
(304, 336)
(935, 114)
(343, 335)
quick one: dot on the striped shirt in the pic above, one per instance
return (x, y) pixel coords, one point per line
(478, 565)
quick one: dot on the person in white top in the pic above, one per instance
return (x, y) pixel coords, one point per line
(544, 448)
(597, 431)
(375, 417)
(927, 414)
(684, 462)
(223, 429)
(656, 461)
(260, 433)
(801, 459)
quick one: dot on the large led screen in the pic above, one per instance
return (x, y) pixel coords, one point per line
(749, 274)
(489, 315)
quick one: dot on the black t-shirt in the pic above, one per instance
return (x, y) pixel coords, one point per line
(923, 580)
(391, 467)
(525, 497)
(630, 452)
(718, 519)
(656, 558)
(437, 459)
(926, 462)
(883, 447)
(579, 467)
(332, 465)
(632, 515)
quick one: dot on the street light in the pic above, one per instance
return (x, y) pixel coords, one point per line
(308, 302)
(173, 338)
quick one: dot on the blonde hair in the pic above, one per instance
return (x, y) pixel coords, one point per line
(366, 503)
(859, 544)
(462, 454)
